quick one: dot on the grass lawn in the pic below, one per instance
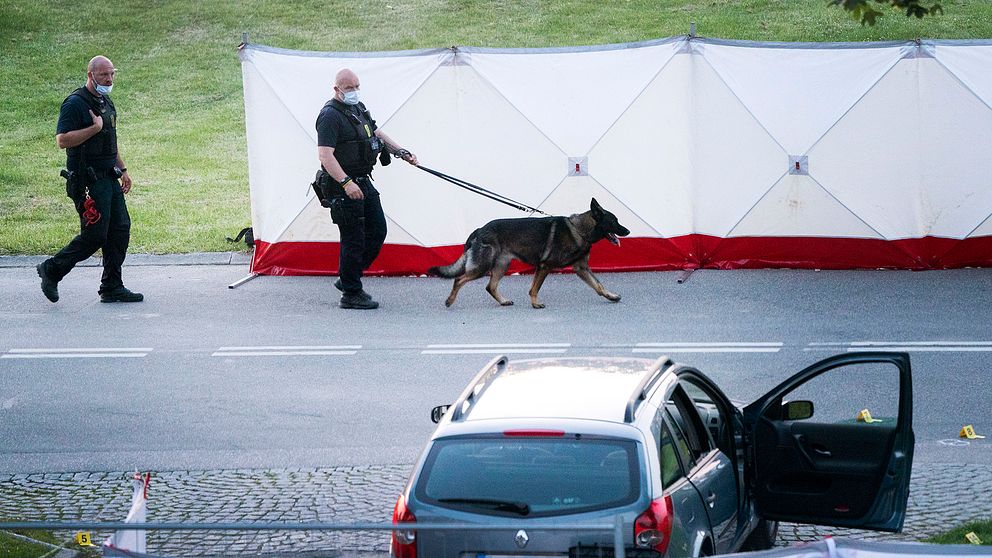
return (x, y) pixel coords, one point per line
(956, 536)
(11, 547)
(16, 547)
(179, 96)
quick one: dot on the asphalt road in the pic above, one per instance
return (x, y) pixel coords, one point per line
(273, 374)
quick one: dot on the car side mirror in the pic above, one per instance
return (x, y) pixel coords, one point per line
(438, 412)
(797, 410)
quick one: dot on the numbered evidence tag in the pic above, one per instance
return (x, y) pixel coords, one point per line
(83, 539)
(865, 416)
(969, 432)
(973, 538)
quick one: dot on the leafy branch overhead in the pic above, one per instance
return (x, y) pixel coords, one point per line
(862, 9)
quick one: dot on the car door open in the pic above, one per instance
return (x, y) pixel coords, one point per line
(833, 445)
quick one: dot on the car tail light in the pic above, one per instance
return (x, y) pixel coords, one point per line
(403, 544)
(653, 528)
(533, 433)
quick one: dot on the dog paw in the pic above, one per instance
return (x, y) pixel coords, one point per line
(537, 305)
(506, 303)
(612, 297)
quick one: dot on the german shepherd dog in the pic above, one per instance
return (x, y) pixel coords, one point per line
(547, 243)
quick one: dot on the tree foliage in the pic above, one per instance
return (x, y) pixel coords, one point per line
(864, 11)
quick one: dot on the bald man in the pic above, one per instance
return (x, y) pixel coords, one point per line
(348, 143)
(87, 130)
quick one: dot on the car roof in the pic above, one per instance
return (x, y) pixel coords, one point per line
(579, 388)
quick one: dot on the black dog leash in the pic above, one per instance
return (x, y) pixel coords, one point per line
(481, 191)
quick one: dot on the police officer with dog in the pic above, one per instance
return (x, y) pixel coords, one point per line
(96, 181)
(348, 144)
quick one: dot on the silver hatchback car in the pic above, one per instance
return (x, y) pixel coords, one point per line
(659, 447)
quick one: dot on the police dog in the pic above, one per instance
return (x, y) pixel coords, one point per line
(547, 243)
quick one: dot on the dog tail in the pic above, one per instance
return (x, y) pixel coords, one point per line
(457, 268)
(450, 271)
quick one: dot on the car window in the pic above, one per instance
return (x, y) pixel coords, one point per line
(714, 418)
(681, 445)
(687, 419)
(671, 470)
(541, 476)
(841, 395)
(668, 453)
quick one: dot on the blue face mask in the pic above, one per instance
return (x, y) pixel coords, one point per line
(103, 89)
(351, 97)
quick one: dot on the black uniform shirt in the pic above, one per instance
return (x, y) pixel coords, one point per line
(336, 130)
(75, 115)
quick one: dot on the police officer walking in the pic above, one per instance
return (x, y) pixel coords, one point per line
(348, 143)
(97, 180)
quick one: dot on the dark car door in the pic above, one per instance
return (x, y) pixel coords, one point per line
(836, 466)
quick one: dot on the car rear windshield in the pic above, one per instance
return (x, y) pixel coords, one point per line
(530, 477)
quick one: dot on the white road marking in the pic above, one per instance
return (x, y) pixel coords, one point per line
(516, 348)
(712, 344)
(287, 350)
(496, 345)
(703, 350)
(907, 346)
(292, 348)
(496, 348)
(86, 350)
(490, 351)
(709, 347)
(81, 352)
(280, 353)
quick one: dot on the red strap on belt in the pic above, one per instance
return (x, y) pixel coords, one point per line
(90, 212)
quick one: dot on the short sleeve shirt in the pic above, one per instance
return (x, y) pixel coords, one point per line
(75, 115)
(336, 130)
(334, 127)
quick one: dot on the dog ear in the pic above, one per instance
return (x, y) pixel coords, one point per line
(595, 207)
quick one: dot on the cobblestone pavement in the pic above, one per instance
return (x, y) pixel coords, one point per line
(941, 496)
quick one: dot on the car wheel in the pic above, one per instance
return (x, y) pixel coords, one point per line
(763, 537)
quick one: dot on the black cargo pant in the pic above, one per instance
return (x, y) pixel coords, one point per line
(112, 233)
(362, 230)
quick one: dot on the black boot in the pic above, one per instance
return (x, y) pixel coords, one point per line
(340, 287)
(359, 301)
(49, 286)
(121, 294)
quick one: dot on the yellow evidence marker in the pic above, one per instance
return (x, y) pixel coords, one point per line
(83, 539)
(865, 416)
(969, 432)
(973, 538)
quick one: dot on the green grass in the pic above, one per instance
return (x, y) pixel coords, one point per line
(956, 536)
(17, 547)
(13, 547)
(178, 88)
